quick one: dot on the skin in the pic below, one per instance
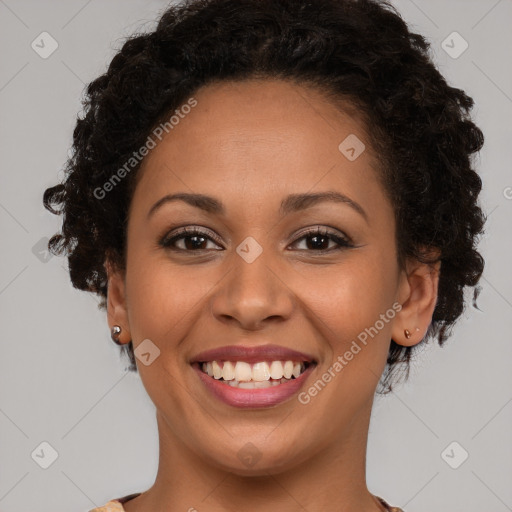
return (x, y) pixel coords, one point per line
(250, 144)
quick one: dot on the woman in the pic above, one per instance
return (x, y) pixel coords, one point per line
(276, 202)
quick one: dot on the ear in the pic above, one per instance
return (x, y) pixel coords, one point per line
(116, 302)
(418, 296)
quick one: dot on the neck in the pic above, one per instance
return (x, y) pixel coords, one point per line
(333, 479)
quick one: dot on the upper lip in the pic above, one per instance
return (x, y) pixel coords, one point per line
(252, 354)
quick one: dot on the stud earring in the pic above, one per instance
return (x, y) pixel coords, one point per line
(407, 333)
(114, 334)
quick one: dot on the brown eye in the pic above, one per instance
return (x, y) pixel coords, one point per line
(318, 240)
(193, 240)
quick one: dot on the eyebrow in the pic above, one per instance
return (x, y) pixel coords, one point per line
(292, 203)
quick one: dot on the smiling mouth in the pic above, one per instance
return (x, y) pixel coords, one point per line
(264, 374)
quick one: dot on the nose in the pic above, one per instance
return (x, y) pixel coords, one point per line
(253, 294)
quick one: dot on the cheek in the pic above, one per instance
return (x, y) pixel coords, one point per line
(351, 297)
(164, 298)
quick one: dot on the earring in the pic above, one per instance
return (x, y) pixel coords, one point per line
(114, 334)
(407, 333)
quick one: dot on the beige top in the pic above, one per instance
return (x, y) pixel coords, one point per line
(116, 505)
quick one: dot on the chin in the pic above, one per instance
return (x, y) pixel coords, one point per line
(249, 460)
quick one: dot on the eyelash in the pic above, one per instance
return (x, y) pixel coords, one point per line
(167, 242)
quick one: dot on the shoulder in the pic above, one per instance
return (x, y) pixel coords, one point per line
(116, 505)
(387, 506)
(111, 506)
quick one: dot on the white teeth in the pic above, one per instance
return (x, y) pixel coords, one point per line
(255, 384)
(246, 385)
(261, 384)
(276, 370)
(217, 370)
(258, 375)
(228, 371)
(243, 371)
(288, 369)
(261, 372)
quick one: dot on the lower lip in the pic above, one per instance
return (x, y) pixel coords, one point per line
(246, 398)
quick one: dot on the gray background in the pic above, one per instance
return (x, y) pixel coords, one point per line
(61, 378)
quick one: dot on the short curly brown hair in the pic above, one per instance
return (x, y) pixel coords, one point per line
(360, 51)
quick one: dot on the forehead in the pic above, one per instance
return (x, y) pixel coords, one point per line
(258, 138)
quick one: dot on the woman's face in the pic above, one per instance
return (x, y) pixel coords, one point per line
(254, 276)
